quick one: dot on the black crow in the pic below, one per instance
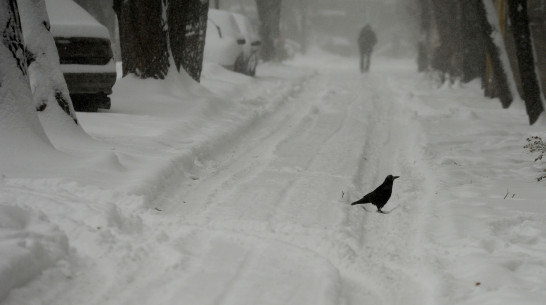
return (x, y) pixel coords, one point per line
(380, 195)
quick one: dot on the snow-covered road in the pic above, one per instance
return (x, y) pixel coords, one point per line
(268, 222)
(271, 222)
(252, 207)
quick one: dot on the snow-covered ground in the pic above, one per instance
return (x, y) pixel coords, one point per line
(237, 192)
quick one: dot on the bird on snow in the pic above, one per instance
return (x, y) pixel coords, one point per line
(380, 195)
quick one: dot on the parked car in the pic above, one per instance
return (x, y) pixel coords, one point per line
(226, 43)
(251, 47)
(85, 54)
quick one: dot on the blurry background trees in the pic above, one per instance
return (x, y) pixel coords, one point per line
(334, 25)
(269, 13)
(490, 39)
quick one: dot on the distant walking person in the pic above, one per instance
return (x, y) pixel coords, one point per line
(366, 42)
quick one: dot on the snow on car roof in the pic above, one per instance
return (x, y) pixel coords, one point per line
(225, 21)
(68, 19)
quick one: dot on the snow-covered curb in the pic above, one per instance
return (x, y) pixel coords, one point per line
(156, 131)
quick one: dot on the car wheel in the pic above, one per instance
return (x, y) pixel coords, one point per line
(90, 102)
(251, 65)
(239, 64)
(103, 101)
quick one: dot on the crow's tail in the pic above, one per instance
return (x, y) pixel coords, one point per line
(364, 200)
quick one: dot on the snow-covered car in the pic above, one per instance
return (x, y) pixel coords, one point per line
(251, 47)
(85, 54)
(224, 43)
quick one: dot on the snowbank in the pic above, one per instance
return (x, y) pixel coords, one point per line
(233, 191)
(29, 243)
(92, 189)
(488, 227)
(70, 19)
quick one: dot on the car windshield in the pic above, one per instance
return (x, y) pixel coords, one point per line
(225, 21)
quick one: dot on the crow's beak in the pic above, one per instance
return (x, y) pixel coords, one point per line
(395, 177)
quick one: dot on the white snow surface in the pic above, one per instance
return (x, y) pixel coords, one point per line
(236, 191)
(68, 19)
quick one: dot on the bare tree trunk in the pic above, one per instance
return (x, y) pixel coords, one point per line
(147, 40)
(143, 38)
(473, 52)
(304, 11)
(537, 21)
(447, 58)
(187, 21)
(424, 45)
(269, 12)
(496, 84)
(517, 10)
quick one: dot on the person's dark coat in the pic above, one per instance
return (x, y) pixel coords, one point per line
(366, 39)
(366, 42)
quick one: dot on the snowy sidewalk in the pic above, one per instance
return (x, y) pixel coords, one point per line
(488, 225)
(238, 195)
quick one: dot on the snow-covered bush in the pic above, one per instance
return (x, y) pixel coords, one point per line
(536, 144)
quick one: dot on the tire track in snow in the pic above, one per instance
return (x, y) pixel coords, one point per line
(264, 223)
(392, 243)
(292, 168)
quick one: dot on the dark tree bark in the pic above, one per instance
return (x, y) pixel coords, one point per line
(442, 46)
(446, 16)
(143, 38)
(269, 12)
(12, 41)
(495, 84)
(473, 52)
(424, 49)
(187, 21)
(517, 10)
(304, 11)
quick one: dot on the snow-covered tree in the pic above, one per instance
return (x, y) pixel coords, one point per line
(20, 128)
(46, 78)
(495, 80)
